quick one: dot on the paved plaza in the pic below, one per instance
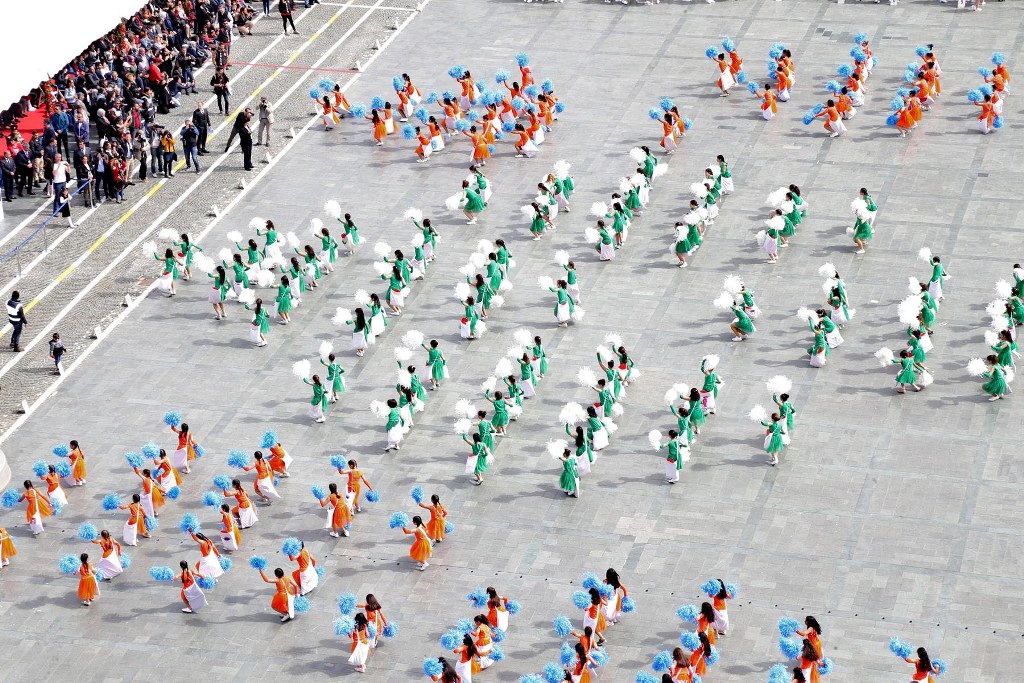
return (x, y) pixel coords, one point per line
(888, 515)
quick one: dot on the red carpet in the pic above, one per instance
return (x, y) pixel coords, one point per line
(32, 123)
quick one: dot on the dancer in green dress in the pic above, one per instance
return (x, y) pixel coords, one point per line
(1006, 349)
(328, 250)
(696, 408)
(394, 295)
(436, 363)
(605, 400)
(907, 376)
(394, 426)
(477, 463)
(472, 204)
(540, 359)
(677, 455)
(741, 327)
(351, 237)
(334, 377)
(570, 479)
(861, 230)
(500, 420)
(786, 409)
(318, 403)
(219, 293)
(188, 251)
(240, 271)
(260, 323)
(170, 273)
(252, 253)
(564, 305)
(774, 441)
(485, 428)
(284, 300)
(538, 221)
(996, 386)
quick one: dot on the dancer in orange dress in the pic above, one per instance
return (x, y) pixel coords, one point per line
(808, 662)
(706, 622)
(356, 479)
(305, 577)
(341, 105)
(614, 609)
(109, 565)
(77, 459)
(593, 615)
(481, 153)
(420, 551)
(279, 459)
(360, 651)
(379, 129)
(467, 666)
(53, 489)
(37, 506)
(264, 484)
(374, 615)
(424, 148)
(924, 668)
(339, 517)
(438, 514)
(497, 609)
(191, 593)
(483, 640)
(186, 451)
(283, 601)
(726, 77)
(166, 475)
(987, 116)
(230, 534)
(88, 586)
(698, 658)
(244, 512)
(7, 549)
(833, 124)
(581, 667)
(812, 633)
(327, 113)
(136, 524)
(668, 133)
(209, 557)
(152, 497)
(769, 108)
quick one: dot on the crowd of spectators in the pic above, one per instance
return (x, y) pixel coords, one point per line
(102, 110)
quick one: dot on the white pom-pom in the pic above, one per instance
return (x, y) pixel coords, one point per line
(381, 249)
(723, 301)
(858, 205)
(1018, 273)
(913, 285)
(511, 263)
(698, 190)
(481, 328)
(1004, 289)
(523, 337)
(315, 226)
(1008, 374)
(332, 208)
(787, 207)
(864, 214)
(326, 349)
(256, 223)
(301, 369)
(660, 170)
(527, 211)
(546, 282)
(247, 297)
(561, 169)
(732, 284)
(383, 268)
(264, 278)
(515, 351)
(654, 438)
(925, 254)
(599, 209)
(884, 356)
(806, 314)
(617, 409)
(925, 379)
(167, 234)
(562, 257)
(709, 362)
(571, 413)
(638, 155)
(758, 413)
(609, 425)
(681, 390)
(204, 263)
(465, 408)
(515, 411)
(484, 246)
(976, 367)
(497, 301)
(776, 223)
(412, 339)
(613, 340)
(577, 314)
(293, 240)
(505, 285)
(827, 270)
(417, 240)
(671, 395)
(557, 448)
(362, 297)
(996, 308)
(402, 354)
(776, 197)
(635, 374)
(605, 354)
(469, 270)
(478, 259)
(850, 232)
(379, 408)
(909, 309)
(1000, 323)
(463, 426)
(585, 376)
(462, 290)
(592, 235)
(413, 214)
(827, 285)
(503, 368)
(452, 203)
(625, 186)
(403, 379)
(489, 384)
(779, 384)
(234, 236)
(149, 249)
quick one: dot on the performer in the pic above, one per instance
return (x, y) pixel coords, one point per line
(318, 402)
(191, 593)
(360, 651)
(77, 458)
(420, 551)
(437, 364)
(244, 512)
(593, 615)
(186, 451)
(996, 386)
(812, 632)
(924, 668)
(136, 525)
(678, 453)
(209, 561)
(165, 474)
(356, 479)
(478, 460)
(53, 488)
(305, 577)
(7, 549)
(188, 250)
(88, 586)
(339, 517)
(774, 442)
(374, 615)
(283, 601)
(230, 534)
(37, 506)
(152, 496)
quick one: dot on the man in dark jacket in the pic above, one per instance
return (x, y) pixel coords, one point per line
(189, 138)
(23, 172)
(241, 129)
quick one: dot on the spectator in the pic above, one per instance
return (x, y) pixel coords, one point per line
(49, 159)
(189, 138)
(16, 317)
(140, 149)
(61, 173)
(156, 133)
(201, 119)
(266, 7)
(61, 122)
(285, 7)
(241, 129)
(81, 129)
(167, 146)
(266, 119)
(57, 353)
(9, 169)
(65, 205)
(23, 172)
(222, 90)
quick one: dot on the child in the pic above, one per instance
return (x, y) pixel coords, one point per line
(56, 353)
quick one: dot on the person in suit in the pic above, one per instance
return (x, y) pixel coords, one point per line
(9, 170)
(241, 129)
(201, 120)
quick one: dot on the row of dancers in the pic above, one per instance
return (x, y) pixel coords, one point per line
(691, 415)
(709, 194)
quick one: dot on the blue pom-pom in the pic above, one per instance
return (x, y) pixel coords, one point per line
(200, 451)
(358, 110)
(464, 626)
(711, 587)
(513, 607)
(688, 613)
(449, 528)
(518, 103)
(858, 54)
(502, 76)
(628, 605)
(605, 590)
(447, 95)
(238, 459)
(779, 674)
(662, 661)
(69, 564)
(344, 626)
(432, 667)
(399, 520)
(566, 654)
(302, 604)
(325, 84)
(788, 626)
(563, 626)
(62, 469)
(644, 677)
(222, 482)
(134, 459)
(61, 450)
(833, 87)
(772, 76)
(752, 88)
(666, 103)
(320, 571)
(547, 86)
(654, 114)
(712, 51)
(57, 507)
(896, 103)
(590, 581)
(600, 657)
(347, 603)
(88, 532)
(190, 524)
(432, 98)
(713, 656)
(151, 450)
(998, 58)
(126, 561)
(689, 640)
(983, 71)
(789, 648)
(462, 125)
(172, 418)
(741, 76)
(903, 92)
(457, 71)
(417, 494)
(909, 76)
(553, 673)
(211, 499)
(408, 132)
(40, 468)
(522, 59)
(291, 547)
(398, 83)
(808, 118)
(258, 563)
(390, 630)
(775, 52)
(892, 120)
(733, 589)
(818, 108)
(473, 115)
(161, 573)
(825, 666)
(859, 38)
(225, 563)
(477, 597)
(985, 90)
(844, 70)
(497, 654)
(531, 91)
(940, 664)
(111, 501)
(315, 93)
(581, 599)
(422, 114)
(728, 45)
(508, 126)
(687, 124)
(491, 148)
(559, 107)
(268, 440)
(373, 496)
(206, 582)
(997, 122)
(152, 522)
(318, 492)
(338, 462)
(450, 639)
(377, 102)
(173, 493)
(900, 648)
(497, 635)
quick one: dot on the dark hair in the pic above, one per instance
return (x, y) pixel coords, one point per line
(371, 602)
(798, 675)
(811, 622)
(707, 611)
(595, 595)
(279, 573)
(925, 662)
(611, 577)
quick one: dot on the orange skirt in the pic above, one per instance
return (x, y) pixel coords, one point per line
(279, 603)
(88, 589)
(420, 550)
(78, 471)
(379, 132)
(481, 152)
(7, 549)
(341, 517)
(435, 529)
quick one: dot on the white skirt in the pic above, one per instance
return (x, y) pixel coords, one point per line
(767, 114)
(600, 439)
(389, 126)
(214, 297)
(228, 541)
(527, 386)
(266, 487)
(485, 194)
(58, 496)
(465, 330)
(834, 339)
(471, 465)
(727, 185)
(360, 654)
(582, 464)
(395, 435)
(296, 288)
(377, 326)
(857, 98)
(926, 343)
(166, 482)
(770, 246)
(983, 126)
(671, 473)
(316, 411)
(935, 289)
(358, 341)
(562, 313)
(254, 334)
(465, 671)
(707, 399)
(147, 504)
(428, 251)
(247, 517)
(722, 620)
(165, 282)
(818, 360)
(574, 292)
(838, 317)
(329, 519)
(529, 148)
(437, 143)
(607, 252)
(308, 580)
(110, 566)
(726, 79)
(398, 297)
(209, 565)
(196, 598)
(130, 533)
